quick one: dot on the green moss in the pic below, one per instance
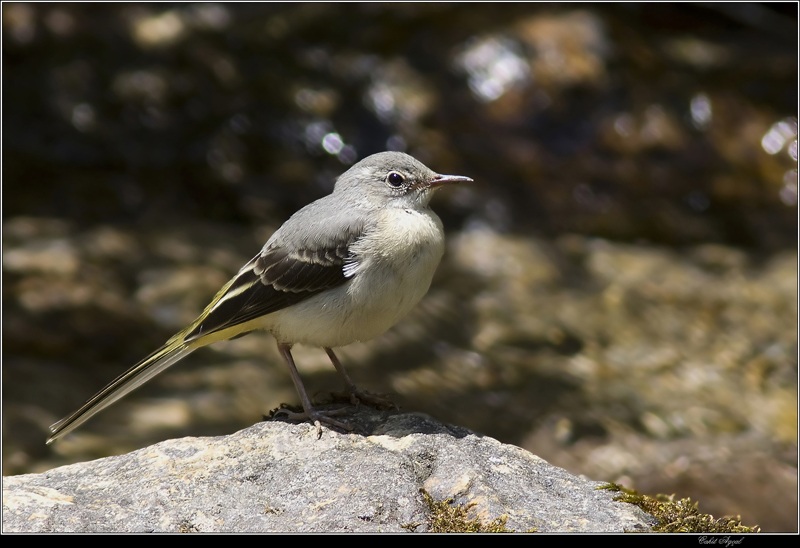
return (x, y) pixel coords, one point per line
(448, 518)
(680, 516)
(187, 527)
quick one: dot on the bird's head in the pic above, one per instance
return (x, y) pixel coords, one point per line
(394, 179)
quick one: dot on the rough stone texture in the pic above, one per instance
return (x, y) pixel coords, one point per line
(276, 476)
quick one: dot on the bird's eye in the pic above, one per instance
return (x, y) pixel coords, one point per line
(395, 179)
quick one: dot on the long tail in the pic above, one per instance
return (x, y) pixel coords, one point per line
(235, 310)
(152, 365)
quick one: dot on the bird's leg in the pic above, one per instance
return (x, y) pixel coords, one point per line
(309, 413)
(354, 394)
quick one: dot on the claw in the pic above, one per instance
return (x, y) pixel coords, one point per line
(318, 417)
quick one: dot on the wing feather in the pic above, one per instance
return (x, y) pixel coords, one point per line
(279, 276)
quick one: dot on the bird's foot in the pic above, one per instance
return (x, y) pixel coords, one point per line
(316, 416)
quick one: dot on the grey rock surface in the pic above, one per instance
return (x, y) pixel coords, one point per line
(278, 477)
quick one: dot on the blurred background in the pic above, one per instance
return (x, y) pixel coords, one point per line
(619, 293)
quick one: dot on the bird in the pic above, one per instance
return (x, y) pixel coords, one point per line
(342, 269)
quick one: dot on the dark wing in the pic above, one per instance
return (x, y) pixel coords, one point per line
(279, 276)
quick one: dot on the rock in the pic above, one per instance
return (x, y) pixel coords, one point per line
(279, 477)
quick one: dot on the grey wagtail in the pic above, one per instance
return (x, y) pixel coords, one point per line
(344, 268)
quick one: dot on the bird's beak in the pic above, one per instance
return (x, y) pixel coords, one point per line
(441, 180)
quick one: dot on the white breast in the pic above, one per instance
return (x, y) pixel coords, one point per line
(396, 263)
